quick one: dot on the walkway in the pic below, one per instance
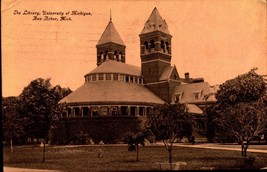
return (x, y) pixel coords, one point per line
(217, 146)
(13, 169)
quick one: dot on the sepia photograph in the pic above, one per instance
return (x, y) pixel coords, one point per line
(134, 85)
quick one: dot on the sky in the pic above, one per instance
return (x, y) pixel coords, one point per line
(216, 40)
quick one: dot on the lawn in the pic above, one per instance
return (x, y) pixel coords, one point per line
(117, 158)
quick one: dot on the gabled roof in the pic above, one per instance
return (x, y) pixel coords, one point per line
(110, 35)
(111, 66)
(166, 74)
(189, 91)
(112, 92)
(155, 23)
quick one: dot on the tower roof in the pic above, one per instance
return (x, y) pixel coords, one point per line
(110, 35)
(155, 23)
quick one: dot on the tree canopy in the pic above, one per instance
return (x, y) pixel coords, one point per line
(39, 104)
(168, 122)
(240, 109)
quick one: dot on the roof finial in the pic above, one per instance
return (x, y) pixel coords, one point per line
(110, 16)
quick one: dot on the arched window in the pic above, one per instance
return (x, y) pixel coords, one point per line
(162, 46)
(167, 47)
(101, 56)
(146, 44)
(120, 56)
(116, 56)
(106, 55)
(152, 44)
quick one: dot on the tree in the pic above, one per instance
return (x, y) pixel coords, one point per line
(12, 122)
(168, 122)
(240, 109)
(39, 105)
(134, 139)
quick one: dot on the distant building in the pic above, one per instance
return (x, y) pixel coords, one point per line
(117, 89)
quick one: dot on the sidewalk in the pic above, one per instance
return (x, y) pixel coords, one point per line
(13, 169)
(210, 146)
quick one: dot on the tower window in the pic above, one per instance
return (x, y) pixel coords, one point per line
(167, 47)
(106, 55)
(101, 56)
(120, 56)
(116, 56)
(146, 45)
(162, 46)
(152, 44)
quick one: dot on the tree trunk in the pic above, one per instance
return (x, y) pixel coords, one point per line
(170, 157)
(137, 153)
(11, 145)
(44, 151)
(242, 149)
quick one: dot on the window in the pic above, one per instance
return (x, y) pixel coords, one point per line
(152, 44)
(116, 56)
(146, 44)
(69, 112)
(127, 78)
(108, 76)
(93, 77)
(140, 81)
(196, 95)
(85, 111)
(131, 79)
(89, 78)
(124, 111)
(114, 111)
(136, 80)
(141, 111)
(77, 111)
(94, 111)
(100, 76)
(104, 110)
(178, 97)
(132, 111)
(115, 76)
(121, 77)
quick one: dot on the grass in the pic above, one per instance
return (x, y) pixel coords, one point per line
(117, 158)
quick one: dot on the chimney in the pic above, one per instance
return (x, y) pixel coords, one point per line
(186, 75)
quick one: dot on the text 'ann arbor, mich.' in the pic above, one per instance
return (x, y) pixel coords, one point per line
(51, 15)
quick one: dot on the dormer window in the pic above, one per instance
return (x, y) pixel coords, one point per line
(197, 94)
(178, 96)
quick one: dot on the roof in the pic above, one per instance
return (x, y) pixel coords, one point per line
(110, 35)
(194, 109)
(189, 90)
(166, 74)
(111, 66)
(155, 23)
(112, 91)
